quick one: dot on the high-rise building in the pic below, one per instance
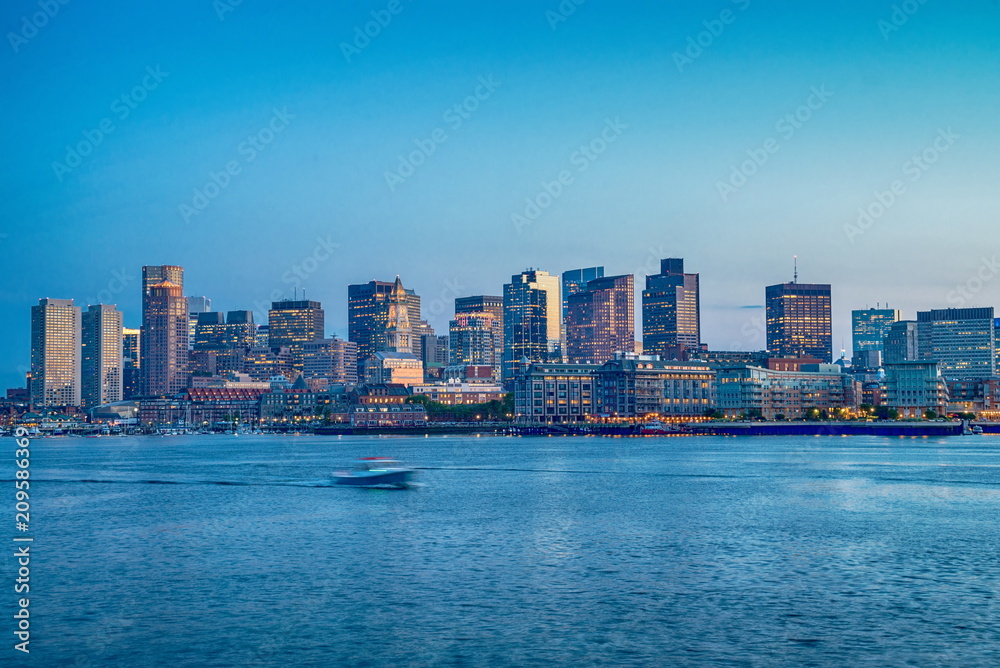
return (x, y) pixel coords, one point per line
(575, 280)
(799, 323)
(375, 308)
(196, 305)
(131, 381)
(671, 311)
(155, 274)
(601, 320)
(869, 328)
(293, 324)
(961, 340)
(165, 331)
(331, 361)
(221, 343)
(55, 353)
(485, 304)
(472, 337)
(101, 356)
(901, 343)
(532, 314)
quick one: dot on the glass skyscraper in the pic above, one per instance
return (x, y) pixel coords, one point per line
(532, 314)
(671, 311)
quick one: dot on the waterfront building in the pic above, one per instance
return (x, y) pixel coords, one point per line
(671, 311)
(915, 387)
(293, 324)
(636, 386)
(553, 392)
(962, 341)
(459, 393)
(331, 362)
(532, 315)
(601, 320)
(789, 394)
(869, 328)
(392, 368)
(799, 323)
(55, 353)
(575, 280)
(202, 407)
(131, 382)
(165, 331)
(101, 356)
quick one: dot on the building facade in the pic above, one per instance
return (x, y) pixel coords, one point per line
(166, 327)
(553, 393)
(791, 394)
(102, 359)
(636, 386)
(575, 280)
(869, 328)
(332, 362)
(671, 311)
(601, 320)
(961, 340)
(532, 314)
(55, 353)
(915, 387)
(293, 324)
(799, 323)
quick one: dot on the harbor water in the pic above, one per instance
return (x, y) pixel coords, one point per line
(577, 551)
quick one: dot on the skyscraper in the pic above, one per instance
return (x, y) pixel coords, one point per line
(155, 274)
(472, 337)
(799, 323)
(55, 353)
(370, 306)
(331, 362)
(293, 324)
(601, 320)
(485, 304)
(165, 331)
(102, 359)
(131, 381)
(671, 311)
(870, 328)
(532, 314)
(961, 340)
(221, 343)
(575, 280)
(196, 306)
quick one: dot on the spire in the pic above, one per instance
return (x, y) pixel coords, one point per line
(795, 260)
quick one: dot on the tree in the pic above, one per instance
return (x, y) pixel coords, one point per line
(930, 415)
(713, 414)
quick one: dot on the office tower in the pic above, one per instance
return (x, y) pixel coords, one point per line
(102, 357)
(370, 306)
(196, 305)
(442, 356)
(485, 304)
(575, 280)
(331, 361)
(601, 320)
(472, 338)
(55, 353)
(155, 274)
(165, 331)
(131, 382)
(221, 343)
(532, 315)
(293, 324)
(262, 336)
(421, 335)
(798, 320)
(900, 343)
(961, 340)
(869, 328)
(671, 311)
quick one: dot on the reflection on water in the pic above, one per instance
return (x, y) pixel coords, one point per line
(516, 551)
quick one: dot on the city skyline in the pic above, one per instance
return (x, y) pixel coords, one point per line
(869, 106)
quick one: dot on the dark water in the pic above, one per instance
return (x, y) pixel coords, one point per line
(234, 551)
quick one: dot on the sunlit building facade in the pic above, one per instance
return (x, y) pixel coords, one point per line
(55, 353)
(532, 313)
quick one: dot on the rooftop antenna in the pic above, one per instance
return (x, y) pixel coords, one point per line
(795, 259)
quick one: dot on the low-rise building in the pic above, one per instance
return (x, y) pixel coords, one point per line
(459, 394)
(632, 386)
(915, 387)
(553, 393)
(393, 368)
(792, 394)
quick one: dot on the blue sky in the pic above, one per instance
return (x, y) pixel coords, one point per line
(315, 197)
